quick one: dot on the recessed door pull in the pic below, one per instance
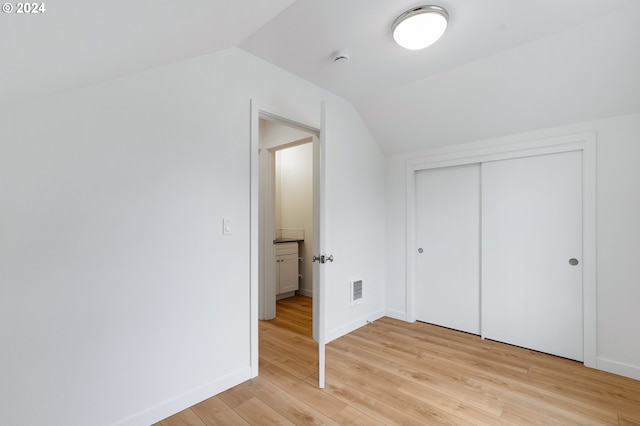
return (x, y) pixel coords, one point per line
(573, 261)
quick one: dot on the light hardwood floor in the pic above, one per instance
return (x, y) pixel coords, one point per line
(392, 372)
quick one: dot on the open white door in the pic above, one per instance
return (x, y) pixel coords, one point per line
(318, 249)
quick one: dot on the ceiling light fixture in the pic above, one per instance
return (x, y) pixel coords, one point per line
(420, 27)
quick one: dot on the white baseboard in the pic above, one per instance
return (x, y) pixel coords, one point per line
(353, 325)
(627, 370)
(399, 315)
(305, 292)
(285, 295)
(186, 400)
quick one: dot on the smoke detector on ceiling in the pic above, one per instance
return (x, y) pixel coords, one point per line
(341, 57)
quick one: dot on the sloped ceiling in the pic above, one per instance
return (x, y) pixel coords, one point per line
(77, 42)
(587, 72)
(503, 66)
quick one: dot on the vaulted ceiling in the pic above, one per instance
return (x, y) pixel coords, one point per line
(76, 42)
(503, 66)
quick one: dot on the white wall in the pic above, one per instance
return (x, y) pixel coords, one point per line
(121, 300)
(355, 223)
(294, 202)
(618, 234)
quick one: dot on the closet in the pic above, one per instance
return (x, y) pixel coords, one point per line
(499, 249)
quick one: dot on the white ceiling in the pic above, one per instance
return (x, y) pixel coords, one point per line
(77, 42)
(302, 38)
(503, 66)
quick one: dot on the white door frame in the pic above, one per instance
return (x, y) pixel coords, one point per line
(585, 142)
(290, 118)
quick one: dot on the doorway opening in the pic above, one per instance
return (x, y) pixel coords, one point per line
(286, 234)
(262, 252)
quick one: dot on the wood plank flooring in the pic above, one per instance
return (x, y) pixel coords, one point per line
(391, 372)
(294, 314)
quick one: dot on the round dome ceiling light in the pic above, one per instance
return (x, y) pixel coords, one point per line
(420, 27)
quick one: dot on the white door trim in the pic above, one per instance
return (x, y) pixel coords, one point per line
(585, 142)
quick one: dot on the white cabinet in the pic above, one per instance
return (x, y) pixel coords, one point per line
(286, 267)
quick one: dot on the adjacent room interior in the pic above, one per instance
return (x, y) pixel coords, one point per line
(286, 221)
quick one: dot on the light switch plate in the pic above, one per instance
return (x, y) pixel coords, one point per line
(226, 227)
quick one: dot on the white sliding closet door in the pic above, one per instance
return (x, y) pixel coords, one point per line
(448, 244)
(531, 241)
